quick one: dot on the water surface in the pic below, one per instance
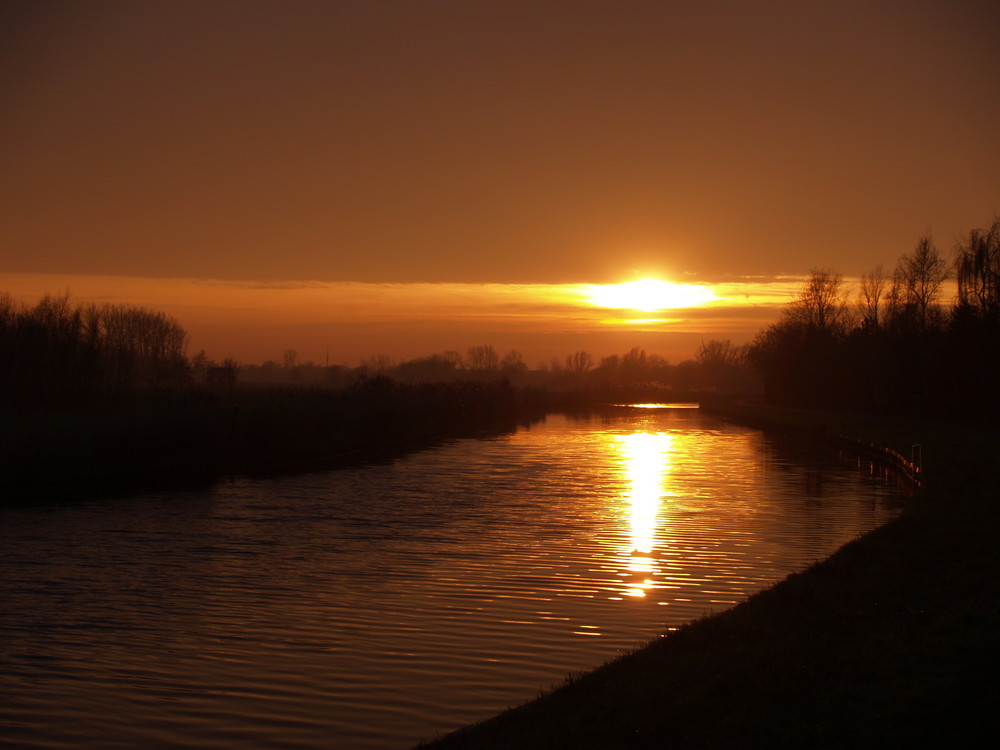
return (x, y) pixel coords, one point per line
(376, 606)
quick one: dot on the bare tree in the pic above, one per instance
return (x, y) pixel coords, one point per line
(871, 298)
(55, 314)
(513, 363)
(921, 276)
(224, 376)
(140, 345)
(379, 363)
(579, 362)
(822, 304)
(482, 358)
(59, 352)
(978, 271)
(722, 352)
(721, 363)
(10, 310)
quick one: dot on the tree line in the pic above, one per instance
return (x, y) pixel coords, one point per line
(897, 346)
(60, 354)
(719, 365)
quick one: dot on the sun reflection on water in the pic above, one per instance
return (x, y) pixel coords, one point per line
(645, 465)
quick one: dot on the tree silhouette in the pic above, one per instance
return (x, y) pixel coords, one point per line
(821, 306)
(482, 358)
(920, 276)
(579, 362)
(978, 273)
(872, 296)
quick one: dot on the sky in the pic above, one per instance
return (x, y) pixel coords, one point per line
(360, 178)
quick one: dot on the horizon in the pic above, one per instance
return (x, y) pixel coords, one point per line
(335, 323)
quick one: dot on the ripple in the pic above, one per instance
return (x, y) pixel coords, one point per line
(373, 607)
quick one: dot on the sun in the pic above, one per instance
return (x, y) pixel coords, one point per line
(648, 295)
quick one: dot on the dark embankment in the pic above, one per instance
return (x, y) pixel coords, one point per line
(892, 642)
(183, 436)
(153, 438)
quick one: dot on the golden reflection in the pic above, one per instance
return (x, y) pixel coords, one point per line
(645, 466)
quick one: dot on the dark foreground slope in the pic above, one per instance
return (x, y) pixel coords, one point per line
(892, 642)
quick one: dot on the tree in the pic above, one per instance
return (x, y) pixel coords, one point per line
(719, 352)
(378, 363)
(58, 353)
(920, 277)
(800, 356)
(579, 362)
(224, 376)
(721, 364)
(978, 272)
(200, 365)
(436, 368)
(821, 306)
(513, 363)
(482, 358)
(973, 354)
(871, 297)
(634, 365)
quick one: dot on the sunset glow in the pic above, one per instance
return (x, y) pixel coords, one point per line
(345, 322)
(649, 295)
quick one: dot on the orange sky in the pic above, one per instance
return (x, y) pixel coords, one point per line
(349, 321)
(230, 161)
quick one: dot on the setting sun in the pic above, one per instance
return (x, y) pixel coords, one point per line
(649, 295)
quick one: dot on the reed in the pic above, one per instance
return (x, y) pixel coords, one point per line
(181, 435)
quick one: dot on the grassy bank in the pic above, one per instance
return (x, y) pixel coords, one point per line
(185, 436)
(891, 642)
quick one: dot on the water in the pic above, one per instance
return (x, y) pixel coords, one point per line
(378, 606)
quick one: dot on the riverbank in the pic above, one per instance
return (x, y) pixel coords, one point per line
(184, 437)
(891, 642)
